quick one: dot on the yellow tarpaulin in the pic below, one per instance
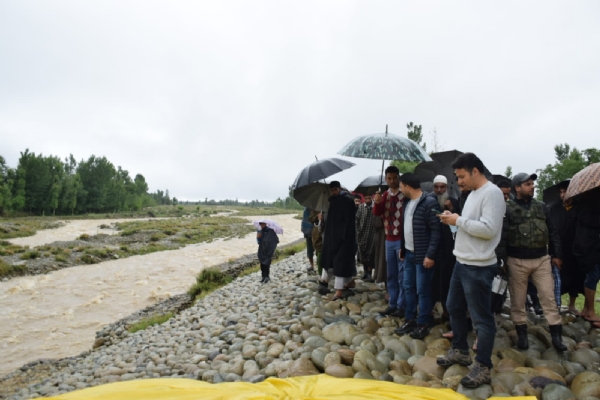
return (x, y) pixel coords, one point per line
(304, 387)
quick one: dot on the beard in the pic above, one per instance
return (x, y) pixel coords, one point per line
(442, 199)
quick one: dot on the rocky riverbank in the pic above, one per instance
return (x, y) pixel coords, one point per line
(248, 331)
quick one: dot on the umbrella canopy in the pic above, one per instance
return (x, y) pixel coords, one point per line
(271, 224)
(551, 195)
(321, 169)
(585, 180)
(314, 196)
(498, 178)
(371, 184)
(441, 164)
(384, 146)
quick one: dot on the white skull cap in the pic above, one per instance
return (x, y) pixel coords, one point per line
(440, 179)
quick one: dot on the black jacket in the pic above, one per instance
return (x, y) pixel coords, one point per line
(268, 244)
(554, 247)
(586, 245)
(339, 239)
(426, 227)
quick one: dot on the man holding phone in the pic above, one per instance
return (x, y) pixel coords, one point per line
(479, 232)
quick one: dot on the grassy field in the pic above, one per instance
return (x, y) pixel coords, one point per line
(27, 226)
(135, 238)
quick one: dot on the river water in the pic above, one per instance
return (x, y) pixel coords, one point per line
(57, 315)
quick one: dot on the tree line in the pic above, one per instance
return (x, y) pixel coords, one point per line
(47, 185)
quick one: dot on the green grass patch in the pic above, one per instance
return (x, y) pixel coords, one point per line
(60, 258)
(30, 255)
(250, 270)
(581, 300)
(154, 320)
(9, 270)
(26, 226)
(88, 259)
(208, 281)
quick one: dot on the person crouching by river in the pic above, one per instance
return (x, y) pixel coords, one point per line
(267, 244)
(339, 244)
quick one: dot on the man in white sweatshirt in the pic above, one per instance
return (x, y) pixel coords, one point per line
(479, 231)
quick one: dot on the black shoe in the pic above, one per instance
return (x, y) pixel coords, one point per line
(266, 280)
(407, 327)
(399, 313)
(388, 311)
(323, 288)
(556, 333)
(420, 332)
(262, 280)
(522, 340)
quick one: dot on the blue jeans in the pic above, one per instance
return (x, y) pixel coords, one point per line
(395, 273)
(417, 282)
(591, 278)
(471, 290)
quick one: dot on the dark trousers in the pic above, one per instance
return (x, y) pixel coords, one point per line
(265, 269)
(471, 289)
(417, 290)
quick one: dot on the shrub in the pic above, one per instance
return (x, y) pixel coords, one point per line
(209, 280)
(30, 255)
(88, 259)
(154, 320)
(124, 248)
(85, 236)
(60, 258)
(9, 270)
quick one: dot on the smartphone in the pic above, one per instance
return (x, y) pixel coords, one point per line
(437, 212)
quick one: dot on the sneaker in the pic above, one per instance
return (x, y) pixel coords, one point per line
(266, 280)
(388, 311)
(420, 332)
(454, 356)
(311, 271)
(262, 280)
(479, 375)
(399, 313)
(407, 327)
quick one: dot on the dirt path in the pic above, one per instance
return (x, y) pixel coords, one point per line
(57, 315)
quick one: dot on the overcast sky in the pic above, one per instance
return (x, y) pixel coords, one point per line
(226, 99)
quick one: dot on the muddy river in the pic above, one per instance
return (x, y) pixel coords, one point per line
(57, 315)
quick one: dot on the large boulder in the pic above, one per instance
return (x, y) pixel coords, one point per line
(300, 367)
(586, 384)
(340, 333)
(429, 365)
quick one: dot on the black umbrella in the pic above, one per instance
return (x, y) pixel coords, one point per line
(371, 184)
(321, 169)
(314, 196)
(441, 165)
(551, 195)
(497, 178)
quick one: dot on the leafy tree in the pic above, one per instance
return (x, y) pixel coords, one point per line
(5, 186)
(414, 134)
(568, 163)
(509, 172)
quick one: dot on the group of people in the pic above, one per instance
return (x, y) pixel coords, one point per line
(430, 247)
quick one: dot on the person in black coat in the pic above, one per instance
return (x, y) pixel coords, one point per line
(571, 276)
(586, 248)
(267, 244)
(339, 244)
